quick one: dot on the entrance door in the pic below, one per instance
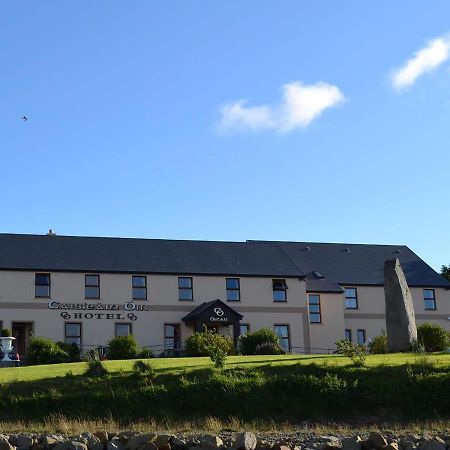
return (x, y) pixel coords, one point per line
(22, 331)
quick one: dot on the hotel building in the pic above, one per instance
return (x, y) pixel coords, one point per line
(87, 290)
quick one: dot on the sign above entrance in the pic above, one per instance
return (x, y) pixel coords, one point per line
(218, 316)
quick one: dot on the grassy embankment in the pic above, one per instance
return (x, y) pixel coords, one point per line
(277, 390)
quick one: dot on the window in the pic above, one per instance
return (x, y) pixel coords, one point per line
(233, 290)
(361, 336)
(139, 283)
(185, 288)
(123, 329)
(351, 298)
(92, 286)
(429, 299)
(279, 290)
(42, 285)
(315, 315)
(283, 333)
(72, 333)
(172, 336)
(244, 328)
(348, 335)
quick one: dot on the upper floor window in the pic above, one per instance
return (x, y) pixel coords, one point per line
(92, 286)
(233, 290)
(283, 334)
(315, 315)
(429, 299)
(185, 288)
(279, 288)
(123, 329)
(139, 287)
(351, 298)
(42, 285)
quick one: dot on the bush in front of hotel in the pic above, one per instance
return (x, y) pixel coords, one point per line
(262, 342)
(207, 342)
(379, 344)
(123, 347)
(433, 337)
(72, 350)
(44, 351)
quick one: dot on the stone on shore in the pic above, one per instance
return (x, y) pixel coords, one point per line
(245, 441)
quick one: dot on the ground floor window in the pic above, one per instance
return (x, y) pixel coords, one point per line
(348, 335)
(244, 328)
(172, 336)
(361, 337)
(72, 333)
(123, 329)
(282, 331)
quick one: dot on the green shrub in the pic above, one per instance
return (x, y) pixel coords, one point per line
(71, 349)
(416, 347)
(263, 339)
(201, 344)
(433, 337)
(123, 347)
(6, 332)
(143, 367)
(145, 353)
(218, 356)
(44, 351)
(95, 369)
(357, 353)
(379, 344)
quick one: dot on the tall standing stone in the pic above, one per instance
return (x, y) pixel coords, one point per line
(400, 320)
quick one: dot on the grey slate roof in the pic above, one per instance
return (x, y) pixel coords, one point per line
(325, 266)
(357, 264)
(99, 254)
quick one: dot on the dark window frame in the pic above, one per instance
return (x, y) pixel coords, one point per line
(86, 285)
(279, 285)
(351, 298)
(238, 289)
(244, 325)
(144, 288)
(433, 299)
(76, 337)
(191, 288)
(176, 339)
(288, 334)
(314, 304)
(48, 285)
(130, 327)
(364, 335)
(349, 331)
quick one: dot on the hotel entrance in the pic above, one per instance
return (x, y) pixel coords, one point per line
(22, 331)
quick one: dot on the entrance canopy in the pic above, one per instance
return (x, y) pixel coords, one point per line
(215, 312)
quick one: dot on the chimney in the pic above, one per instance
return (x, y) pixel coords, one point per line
(51, 233)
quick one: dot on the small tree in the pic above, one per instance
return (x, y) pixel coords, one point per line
(201, 343)
(123, 347)
(445, 272)
(379, 344)
(357, 353)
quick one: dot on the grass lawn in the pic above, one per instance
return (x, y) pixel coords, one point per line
(174, 365)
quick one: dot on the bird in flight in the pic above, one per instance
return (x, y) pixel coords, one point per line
(24, 118)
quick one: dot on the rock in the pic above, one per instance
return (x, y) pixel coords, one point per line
(352, 443)
(115, 444)
(177, 443)
(162, 441)
(400, 319)
(49, 441)
(139, 441)
(102, 436)
(70, 445)
(377, 440)
(4, 443)
(435, 443)
(245, 441)
(280, 447)
(93, 443)
(209, 441)
(391, 446)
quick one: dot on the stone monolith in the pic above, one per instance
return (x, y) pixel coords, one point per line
(400, 320)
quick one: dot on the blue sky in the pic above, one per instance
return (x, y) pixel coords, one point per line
(137, 126)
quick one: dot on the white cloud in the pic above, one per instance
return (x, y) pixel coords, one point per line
(435, 53)
(300, 105)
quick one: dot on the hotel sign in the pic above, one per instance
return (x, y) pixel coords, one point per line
(97, 311)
